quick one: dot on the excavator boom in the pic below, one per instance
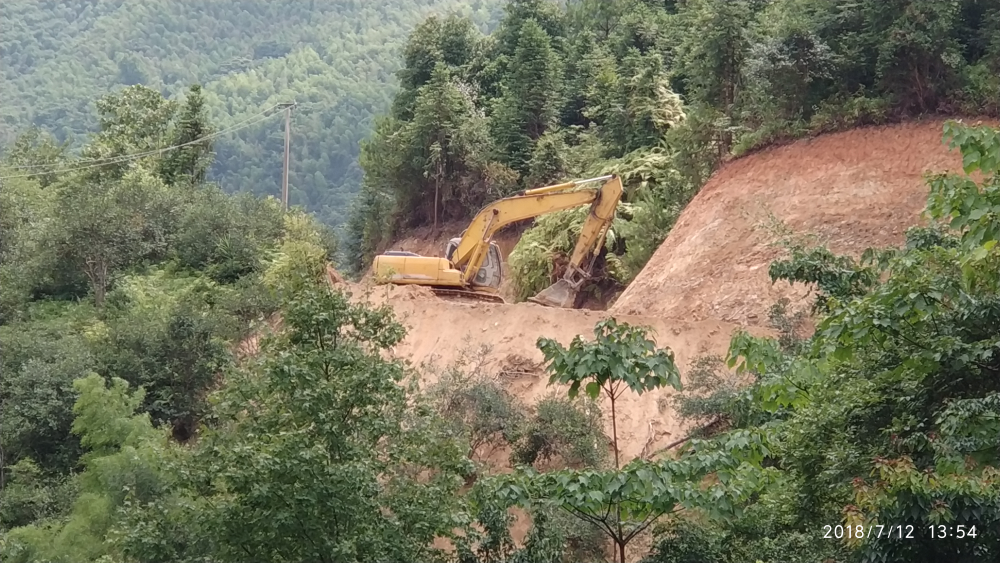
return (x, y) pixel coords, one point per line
(473, 261)
(588, 247)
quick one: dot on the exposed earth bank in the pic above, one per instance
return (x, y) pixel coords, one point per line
(850, 191)
(443, 331)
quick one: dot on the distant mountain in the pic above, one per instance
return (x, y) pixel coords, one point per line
(337, 59)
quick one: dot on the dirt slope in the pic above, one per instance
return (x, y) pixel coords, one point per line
(444, 331)
(854, 189)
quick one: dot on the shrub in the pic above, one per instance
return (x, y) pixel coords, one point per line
(564, 429)
(477, 407)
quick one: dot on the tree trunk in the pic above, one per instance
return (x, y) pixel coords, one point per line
(618, 508)
(437, 190)
(97, 273)
(614, 431)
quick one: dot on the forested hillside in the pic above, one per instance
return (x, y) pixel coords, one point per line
(336, 59)
(184, 380)
(659, 92)
(137, 430)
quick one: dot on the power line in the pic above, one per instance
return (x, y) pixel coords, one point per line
(155, 151)
(253, 120)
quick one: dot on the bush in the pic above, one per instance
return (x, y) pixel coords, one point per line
(712, 394)
(168, 335)
(564, 429)
(981, 94)
(476, 407)
(41, 358)
(29, 496)
(842, 112)
(686, 542)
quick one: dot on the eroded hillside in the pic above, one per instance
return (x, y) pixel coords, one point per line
(851, 190)
(442, 332)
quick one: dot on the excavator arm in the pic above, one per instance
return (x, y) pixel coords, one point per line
(459, 270)
(588, 246)
(531, 203)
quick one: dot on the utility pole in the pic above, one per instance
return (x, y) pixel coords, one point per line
(288, 140)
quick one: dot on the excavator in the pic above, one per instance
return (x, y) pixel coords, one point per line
(472, 263)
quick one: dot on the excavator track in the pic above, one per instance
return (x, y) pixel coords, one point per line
(463, 295)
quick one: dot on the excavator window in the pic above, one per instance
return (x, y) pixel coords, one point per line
(490, 273)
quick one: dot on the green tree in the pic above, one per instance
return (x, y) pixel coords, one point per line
(917, 49)
(168, 336)
(517, 14)
(530, 99)
(124, 463)
(548, 161)
(450, 41)
(35, 151)
(42, 358)
(447, 145)
(134, 120)
(103, 226)
(713, 53)
(636, 109)
(24, 205)
(194, 158)
(620, 358)
(320, 458)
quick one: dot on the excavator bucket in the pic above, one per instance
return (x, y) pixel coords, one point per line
(560, 294)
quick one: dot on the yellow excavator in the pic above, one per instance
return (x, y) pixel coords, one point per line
(472, 263)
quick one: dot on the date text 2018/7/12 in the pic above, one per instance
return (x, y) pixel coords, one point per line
(859, 531)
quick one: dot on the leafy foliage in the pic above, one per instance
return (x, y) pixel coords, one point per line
(478, 407)
(621, 355)
(162, 335)
(565, 430)
(42, 357)
(536, 259)
(671, 89)
(124, 462)
(624, 502)
(139, 272)
(325, 408)
(835, 276)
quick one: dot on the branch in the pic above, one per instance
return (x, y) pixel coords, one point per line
(593, 520)
(642, 527)
(676, 443)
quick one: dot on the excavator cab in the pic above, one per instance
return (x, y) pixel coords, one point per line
(490, 274)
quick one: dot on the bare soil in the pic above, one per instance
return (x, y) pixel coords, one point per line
(443, 331)
(852, 190)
